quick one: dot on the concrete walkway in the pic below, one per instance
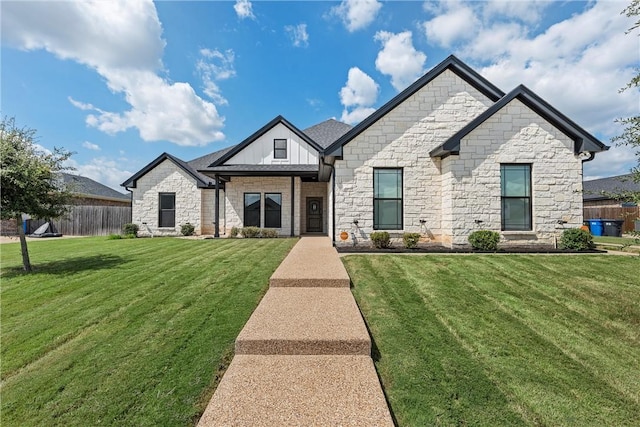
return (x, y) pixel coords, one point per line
(303, 358)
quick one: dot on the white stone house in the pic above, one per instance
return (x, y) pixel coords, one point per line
(450, 154)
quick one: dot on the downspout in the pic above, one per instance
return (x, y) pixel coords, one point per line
(130, 203)
(293, 189)
(592, 155)
(333, 201)
(216, 218)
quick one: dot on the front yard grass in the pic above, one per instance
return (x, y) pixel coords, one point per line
(124, 332)
(504, 340)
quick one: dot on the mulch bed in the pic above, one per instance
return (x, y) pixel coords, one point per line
(436, 249)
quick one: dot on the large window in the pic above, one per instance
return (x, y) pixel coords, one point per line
(515, 182)
(387, 199)
(273, 210)
(167, 210)
(251, 210)
(279, 148)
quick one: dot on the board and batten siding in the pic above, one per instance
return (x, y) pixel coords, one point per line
(260, 151)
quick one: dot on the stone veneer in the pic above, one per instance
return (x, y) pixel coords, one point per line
(471, 180)
(234, 200)
(403, 138)
(167, 177)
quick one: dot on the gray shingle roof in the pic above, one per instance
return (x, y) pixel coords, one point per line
(594, 189)
(327, 132)
(81, 185)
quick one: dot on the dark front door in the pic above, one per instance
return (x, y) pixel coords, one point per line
(314, 215)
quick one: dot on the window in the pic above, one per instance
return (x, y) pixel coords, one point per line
(167, 210)
(273, 210)
(251, 210)
(515, 182)
(387, 199)
(279, 148)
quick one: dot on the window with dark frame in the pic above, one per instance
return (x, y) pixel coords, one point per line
(167, 210)
(279, 148)
(251, 210)
(273, 210)
(387, 199)
(515, 184)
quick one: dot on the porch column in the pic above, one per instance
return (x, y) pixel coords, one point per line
(216, 219)
(293, 199)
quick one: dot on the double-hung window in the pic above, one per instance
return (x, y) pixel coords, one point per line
(167, 210)
(273, 210)
(279, 148)
(251, 210)
(515, 183)
(387, 199)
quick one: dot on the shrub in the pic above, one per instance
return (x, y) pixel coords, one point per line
(250, 232)
(410, 240)
(187, 229)
(575, 239)
(380, 239)
(114, 237)
(484, 240)
(269, 233)
(234, 232)
(130, 228)
(129, 236)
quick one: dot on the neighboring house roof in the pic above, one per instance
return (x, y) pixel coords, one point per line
(278, 120)
(601, 189)
(327, 132)
(583, 140)
(202, 180)
(86, 187)
(451, 63)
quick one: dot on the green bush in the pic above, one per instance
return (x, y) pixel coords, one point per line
(250, 232)
(130, 228)
(234, 232)
(114, 237)
(575, 239)
(269, 233)
(129, 236)
(187, 229)
(380, 239)
(484, 240)
(410, 240)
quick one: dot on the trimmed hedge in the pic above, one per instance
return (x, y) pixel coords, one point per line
(484, 240)
(380, 239)
(575, 239)
(410, 240)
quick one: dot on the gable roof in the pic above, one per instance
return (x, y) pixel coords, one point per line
(451, 63)
(327, 132)
(83, 186)
(202, 181)
(597, 189)
(264, 129)
(583, 140)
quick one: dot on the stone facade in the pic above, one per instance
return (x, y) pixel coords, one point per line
(234, 200)
(402, 139)
(167, 177)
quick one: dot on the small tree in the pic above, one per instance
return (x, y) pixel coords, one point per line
(29, 179)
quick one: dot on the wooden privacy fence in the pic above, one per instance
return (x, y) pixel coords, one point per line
(629, 215)
(89, 221)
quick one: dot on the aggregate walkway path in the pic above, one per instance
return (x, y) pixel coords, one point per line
(303, 358)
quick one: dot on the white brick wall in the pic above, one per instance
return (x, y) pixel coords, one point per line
(234, 200)
(403, 138)
(166, 178)
(471, 181)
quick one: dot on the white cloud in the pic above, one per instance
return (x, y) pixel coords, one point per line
(529, 11)
(91, 146)
(244, 9)
(399, 59)
(298, 34)
(102, 170)
(122, 41)
(357, 14)
(455, 25)
(358, 94)
(616, 161)
(215, 65)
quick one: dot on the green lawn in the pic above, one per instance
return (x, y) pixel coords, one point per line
(617, 240)
(124, 332)
(504, 340)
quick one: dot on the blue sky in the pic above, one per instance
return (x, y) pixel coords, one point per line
(118, 83)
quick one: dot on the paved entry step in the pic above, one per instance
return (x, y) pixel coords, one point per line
(298, 391)
(305, 321)
(312, 262)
